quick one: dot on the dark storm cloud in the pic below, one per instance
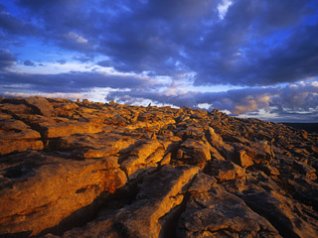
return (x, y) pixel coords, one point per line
(6, 59)
(12, 25)
(253, 34)
(154, 36)
(65, 22)
(69, 82)
(166, 37)
(252, 44)
(297, 60)
(294, 60)
(28, 63)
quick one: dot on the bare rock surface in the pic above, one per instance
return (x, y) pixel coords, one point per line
(84, 169)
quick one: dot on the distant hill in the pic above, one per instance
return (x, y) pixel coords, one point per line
(310, 127)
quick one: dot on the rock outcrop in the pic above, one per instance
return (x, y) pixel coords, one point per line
(84, 169)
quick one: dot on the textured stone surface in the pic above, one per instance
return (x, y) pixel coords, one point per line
(42, 189)
(213, 212)
(85, 169)
(16, 136)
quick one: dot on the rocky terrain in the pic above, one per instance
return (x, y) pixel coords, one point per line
(83, 169)
(310, 127)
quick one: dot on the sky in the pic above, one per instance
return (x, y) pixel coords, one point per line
(247, 58)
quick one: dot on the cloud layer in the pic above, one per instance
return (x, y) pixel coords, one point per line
(266, 47)
(297, 101)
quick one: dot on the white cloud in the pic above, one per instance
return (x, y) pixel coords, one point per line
(72, 96)
(223, 7)
(94, 94)
(77, 38)
(45, 68)
(205, 105)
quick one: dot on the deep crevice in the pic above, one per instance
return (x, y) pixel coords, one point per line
(170, 220)
(308, 197)
(23, 234)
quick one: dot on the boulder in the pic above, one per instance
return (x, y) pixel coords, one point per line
(43, 190)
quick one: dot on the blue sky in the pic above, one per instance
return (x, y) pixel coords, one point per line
(250, 58)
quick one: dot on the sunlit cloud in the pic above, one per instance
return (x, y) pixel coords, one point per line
(269, 103)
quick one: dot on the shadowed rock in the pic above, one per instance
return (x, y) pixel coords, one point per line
(213, 212)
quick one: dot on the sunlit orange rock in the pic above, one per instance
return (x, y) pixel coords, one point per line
(85, 169)
(16, 136)
(43, 189)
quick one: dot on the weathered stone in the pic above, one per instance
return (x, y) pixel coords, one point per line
(244, 159)
(279, 211)
(16, 136)
(166, 159)
(66, 129)
(213, 212)
(197, 152)
(92, 146)
(41, 105)
(86, 169)
(15, 108)
(141, 219)
(224, 170)
(146, 154)
(51, 190)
